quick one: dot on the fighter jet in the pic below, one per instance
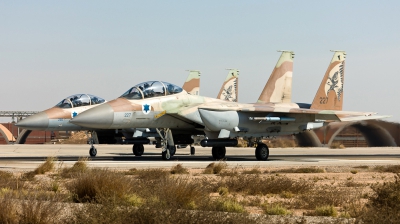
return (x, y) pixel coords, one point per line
(278, 89)
(176, 115)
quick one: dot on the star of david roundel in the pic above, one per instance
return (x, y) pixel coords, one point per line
(74, 114)
(146, 108)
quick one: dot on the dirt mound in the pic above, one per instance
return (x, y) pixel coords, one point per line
(79, 137)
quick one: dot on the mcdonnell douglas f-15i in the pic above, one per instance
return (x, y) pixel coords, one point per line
(176, 115)
(277, 89)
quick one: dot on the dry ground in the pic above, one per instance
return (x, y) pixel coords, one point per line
(214, 194)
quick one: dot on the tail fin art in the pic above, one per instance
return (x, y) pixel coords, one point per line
(330, 93)
(229, 89)
(279, 85)
(192, 83)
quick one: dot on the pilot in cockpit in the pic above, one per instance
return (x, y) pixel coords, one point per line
(170, 89)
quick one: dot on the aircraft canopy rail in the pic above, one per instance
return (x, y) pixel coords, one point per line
(151, 89)
(79, 100)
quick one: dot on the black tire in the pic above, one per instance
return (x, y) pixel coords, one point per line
(262, 152)
(166, 155)
(92, 151)
(192, 150)
(218, 152)
(138, 149)
(172, 150)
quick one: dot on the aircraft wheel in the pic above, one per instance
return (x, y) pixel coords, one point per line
(172, 150)
(166, 155)
(262, 152)
(192, 150)
(138, 149)
(218, 152)
(92, 151)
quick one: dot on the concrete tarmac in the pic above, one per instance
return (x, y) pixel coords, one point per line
(28, 157)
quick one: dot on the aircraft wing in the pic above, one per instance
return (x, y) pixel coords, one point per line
(286, 111)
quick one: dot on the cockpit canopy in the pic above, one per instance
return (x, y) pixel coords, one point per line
(151, 89)
(79, 100)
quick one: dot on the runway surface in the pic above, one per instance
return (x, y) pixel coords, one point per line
(28, 157)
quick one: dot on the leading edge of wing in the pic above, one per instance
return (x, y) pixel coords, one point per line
(319, 114)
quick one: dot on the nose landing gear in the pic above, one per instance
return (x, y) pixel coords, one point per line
(92, 139)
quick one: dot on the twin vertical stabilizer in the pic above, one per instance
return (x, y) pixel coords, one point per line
(229, 89)
(279, 86)
(192, 83)
(330, 93)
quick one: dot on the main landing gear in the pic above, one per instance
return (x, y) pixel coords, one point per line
(262, 152)
(218, 148)
(138, 149)
(218, 152)
(192, 150)
(92, 151)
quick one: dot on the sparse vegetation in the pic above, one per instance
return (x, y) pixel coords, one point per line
(361, 167)
(89, 195)
(215, 168)
(388, 168)
(301, 170)
(254, 185)
(325, 210)
(97, 184)
(47, 166)
(384, 205)
(354, 171)
(79, 167)
(337, 145)
(275, 209)
(223, 191)
(227, 205)
(8, 181)
(254, 170)
(281, 142)
(179, 169)
(152, 174)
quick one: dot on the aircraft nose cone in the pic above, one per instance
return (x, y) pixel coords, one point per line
(100, 117)
(39, 121)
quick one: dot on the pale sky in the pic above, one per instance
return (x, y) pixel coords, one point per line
(53, 49)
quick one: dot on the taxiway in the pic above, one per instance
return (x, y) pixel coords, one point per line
(27, 157)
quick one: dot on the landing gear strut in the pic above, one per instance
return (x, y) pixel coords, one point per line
(92, 150)
(262, 152)
(192, 150)
(138, 149)
(218, 152)
(172, 150)
(168, 152)
(167, 143)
